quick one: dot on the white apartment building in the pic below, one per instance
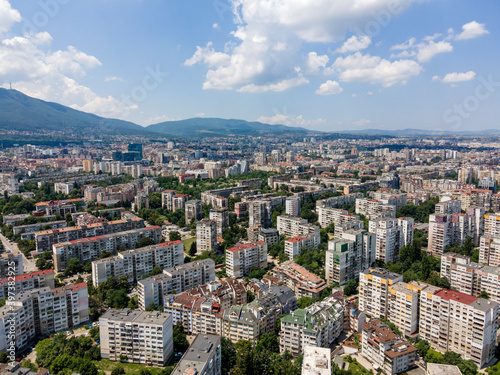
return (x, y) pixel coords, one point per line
(136, 337)
(365, 244)
(221, 218)
(458, 322)
(316, 361)
(373, 208)
(41, 312)
(390, 237)
(293, 246)
(374, 293)
(139, 262)
(290, 227)
(174, 280)
(329, 215)
(167, 197)
(340, 261)
(489, 251)
(240, 258)
(206, 235)
(292, 206)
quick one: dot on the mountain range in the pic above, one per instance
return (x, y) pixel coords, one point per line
(23, 113)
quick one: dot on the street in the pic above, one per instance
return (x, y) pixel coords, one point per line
(28, 264)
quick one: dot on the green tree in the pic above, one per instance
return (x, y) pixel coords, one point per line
(484, 294)
(422, 347)
(180, 341)
(174, 236)
(192, 249)
(228, 355)
(118, 370)
(351, 287)
(144, 241)
(304, 302)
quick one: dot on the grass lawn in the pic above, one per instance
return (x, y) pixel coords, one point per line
(130, 368)
(356, 368)
(187, 243)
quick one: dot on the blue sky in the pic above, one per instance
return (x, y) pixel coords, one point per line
(321, 64)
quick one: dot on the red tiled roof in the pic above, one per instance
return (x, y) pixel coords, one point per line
(455, 296)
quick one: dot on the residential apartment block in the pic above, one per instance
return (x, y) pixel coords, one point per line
(136, 337)
(206, 235)
(403, 307)
(458, 322)
(386, 351)
(27, 281)
(290, 226)
(45, 239)
(318, 326)
(293, 246)
(374, 291)
(240, 258)
(489, 251)
(90, 248)
(221, 218)
(174, 280)
(41, 312)
(391, 235)
(300, 280)
(492, 225)
(192, 209)
(134, 264)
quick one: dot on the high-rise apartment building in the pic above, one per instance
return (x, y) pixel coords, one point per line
(374, 293)
(136, 337)
(458, 322)
(241, 258)
(134, 264)
(206, 235)
(192, 210)
(292, 206)
(300, 280)
(221, 218)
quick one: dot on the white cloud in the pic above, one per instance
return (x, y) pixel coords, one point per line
(216, 26)
(373, 69)
(271, 35)
(362, 122)
(157, 119)
(52, 75)
(426, 51)
(281, 119)
(472, 30)
(423, 51)
(277, 87)
(8, 16)
(329, 88)
(208, 56)
(435, 78)
(459, 77)
(355, 43)
(315, 62)
(369, 93)
(111, 79)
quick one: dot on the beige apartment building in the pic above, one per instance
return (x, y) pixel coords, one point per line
(458, 322)
(300, 280)
(374, 291)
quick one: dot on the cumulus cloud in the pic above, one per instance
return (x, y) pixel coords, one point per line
(423, 51)
(355, 43)
(284, 85)
(316, 62)
(329, 88)
(374, 69)
(426, 51)
(271, 35)
(33, 68)
(472, 30)
(8, 16)
(459, 77)
(281, 119)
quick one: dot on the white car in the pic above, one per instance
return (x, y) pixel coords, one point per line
(68, 333)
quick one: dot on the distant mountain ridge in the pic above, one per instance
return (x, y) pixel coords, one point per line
(202, 127)
(23, 113)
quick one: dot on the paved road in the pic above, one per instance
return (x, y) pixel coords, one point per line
(28, 264)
